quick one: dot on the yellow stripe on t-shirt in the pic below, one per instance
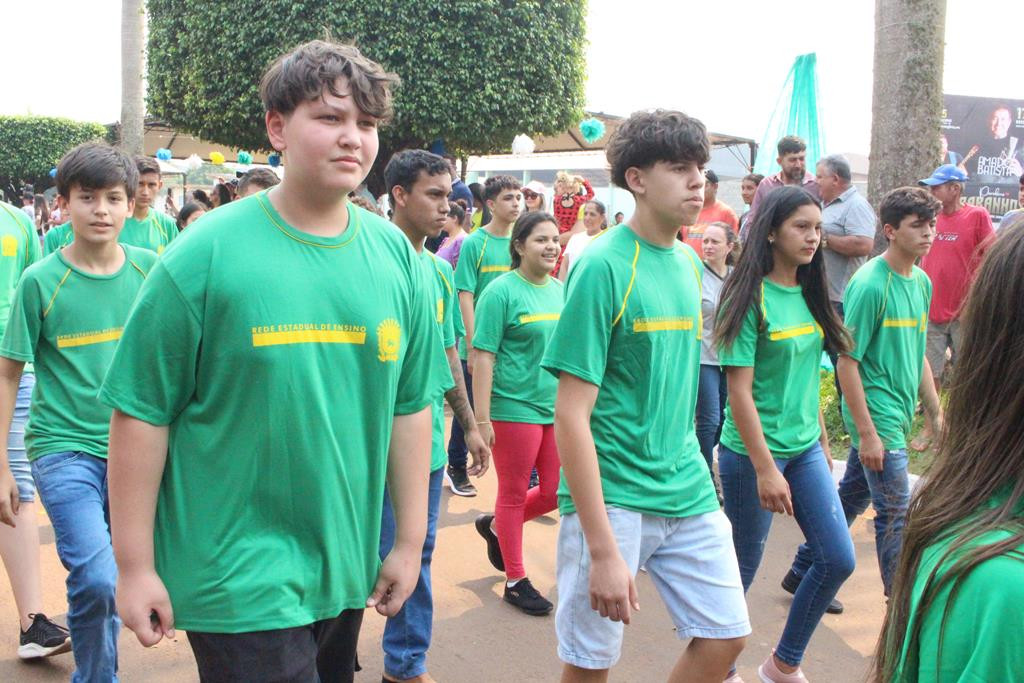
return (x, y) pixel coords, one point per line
(495, 269)
(308, 337)
(662, 324)
(791, 332)
(87, 339)
(538, 317)
(900, 322)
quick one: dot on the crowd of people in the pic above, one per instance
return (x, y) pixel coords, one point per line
(245, 438)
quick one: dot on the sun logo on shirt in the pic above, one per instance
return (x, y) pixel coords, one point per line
(389, 340)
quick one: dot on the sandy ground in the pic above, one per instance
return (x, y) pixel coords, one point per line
(479, 638)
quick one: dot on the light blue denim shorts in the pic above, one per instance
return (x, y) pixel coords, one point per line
(16, 456)
(691, 561)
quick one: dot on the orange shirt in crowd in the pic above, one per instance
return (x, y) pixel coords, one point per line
(719, 212)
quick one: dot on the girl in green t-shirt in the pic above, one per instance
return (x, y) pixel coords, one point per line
(955, 612)
(773, 322)
(515, 318)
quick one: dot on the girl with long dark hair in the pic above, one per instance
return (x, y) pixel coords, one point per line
(773, 323)
(955, 611)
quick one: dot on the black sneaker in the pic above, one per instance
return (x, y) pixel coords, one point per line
(791, 582)
(534, 479)
(525, 597)
(43, 639)
(483, 527)
(458, 482)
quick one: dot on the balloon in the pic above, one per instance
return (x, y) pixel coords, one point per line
(244, 158)
(163, 154)
(216, 158)
(274, 160)
(53, 172)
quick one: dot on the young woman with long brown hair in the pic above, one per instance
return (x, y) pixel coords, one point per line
(773, 323)
(955, 614)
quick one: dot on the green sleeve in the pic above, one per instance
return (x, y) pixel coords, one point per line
(425, 373)
(152, 375)
(981, 634)
(52, 240)
(580, 342)
(170, 226)
(466, 270)
(743, 349)
(35, 251)
(448, 323)
(862, 305)
(25, 324)
(490, 319)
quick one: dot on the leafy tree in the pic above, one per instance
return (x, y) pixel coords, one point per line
(474, 72)
(32, 145)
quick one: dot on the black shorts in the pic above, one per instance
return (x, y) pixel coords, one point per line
(325, 648)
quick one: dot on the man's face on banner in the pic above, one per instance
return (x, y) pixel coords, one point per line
(999, 123)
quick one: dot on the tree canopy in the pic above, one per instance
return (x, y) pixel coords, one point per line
(474, 72)
(32, 145)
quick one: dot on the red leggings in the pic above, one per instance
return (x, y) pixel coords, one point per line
(518, 448)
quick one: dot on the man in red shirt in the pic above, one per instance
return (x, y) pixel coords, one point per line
(714, 211)
(962, 233)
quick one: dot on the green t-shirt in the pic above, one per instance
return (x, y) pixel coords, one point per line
(154, 232)
(782, 341)
(19, 248)
(887, 315)
(514, 320)
(57, 237)
(482, 259)
(983, 625)
(449, 324)
(68, 322)
(278, 359)
(631, 326)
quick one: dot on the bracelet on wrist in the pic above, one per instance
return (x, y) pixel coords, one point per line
(483, 422)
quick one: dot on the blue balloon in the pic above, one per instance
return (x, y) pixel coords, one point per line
(274, 160)
(53, 172)
(163, 154)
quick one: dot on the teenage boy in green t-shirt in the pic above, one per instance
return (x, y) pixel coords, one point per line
(147, 227)
(419, 184)
(66, 318)
(887, 302)
(263, 388)
(484, 257)
(635, 489)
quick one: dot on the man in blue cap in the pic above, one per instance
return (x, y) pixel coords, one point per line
(962, 232)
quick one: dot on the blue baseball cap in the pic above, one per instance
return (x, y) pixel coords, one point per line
(947, 173)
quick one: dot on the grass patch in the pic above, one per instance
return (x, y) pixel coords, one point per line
(839, 440)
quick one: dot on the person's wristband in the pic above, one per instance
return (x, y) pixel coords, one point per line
(483, 422)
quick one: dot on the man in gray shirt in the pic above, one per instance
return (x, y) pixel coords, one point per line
(848, 226)
(847, 230)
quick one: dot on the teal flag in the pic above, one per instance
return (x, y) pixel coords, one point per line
(796, 113)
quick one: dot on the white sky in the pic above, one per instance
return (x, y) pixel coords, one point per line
(723, 61)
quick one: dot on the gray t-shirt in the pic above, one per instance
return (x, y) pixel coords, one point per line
(846, 215)
(710, 293)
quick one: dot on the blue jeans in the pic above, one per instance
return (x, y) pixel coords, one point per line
(711, 397)
(889, 492)
(816, 507)
(16, 458)
(457, 449)
(73, 488)
(407, 634)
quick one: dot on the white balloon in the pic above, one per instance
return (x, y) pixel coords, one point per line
(523, 144)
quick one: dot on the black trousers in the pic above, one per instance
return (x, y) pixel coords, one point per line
(321, 652)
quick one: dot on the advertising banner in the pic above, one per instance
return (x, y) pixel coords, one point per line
(985, 137)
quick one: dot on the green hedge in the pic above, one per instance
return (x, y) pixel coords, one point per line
(32, 145)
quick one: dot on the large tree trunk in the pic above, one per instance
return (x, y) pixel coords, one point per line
(132, 107)
(907, 98)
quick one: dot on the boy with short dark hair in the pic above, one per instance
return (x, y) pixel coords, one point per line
(418, 185)
(256, 179)
(635, 489)
(66, 317)
(147, 227)
(484, 257)
(259, 407)
(887, 302)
